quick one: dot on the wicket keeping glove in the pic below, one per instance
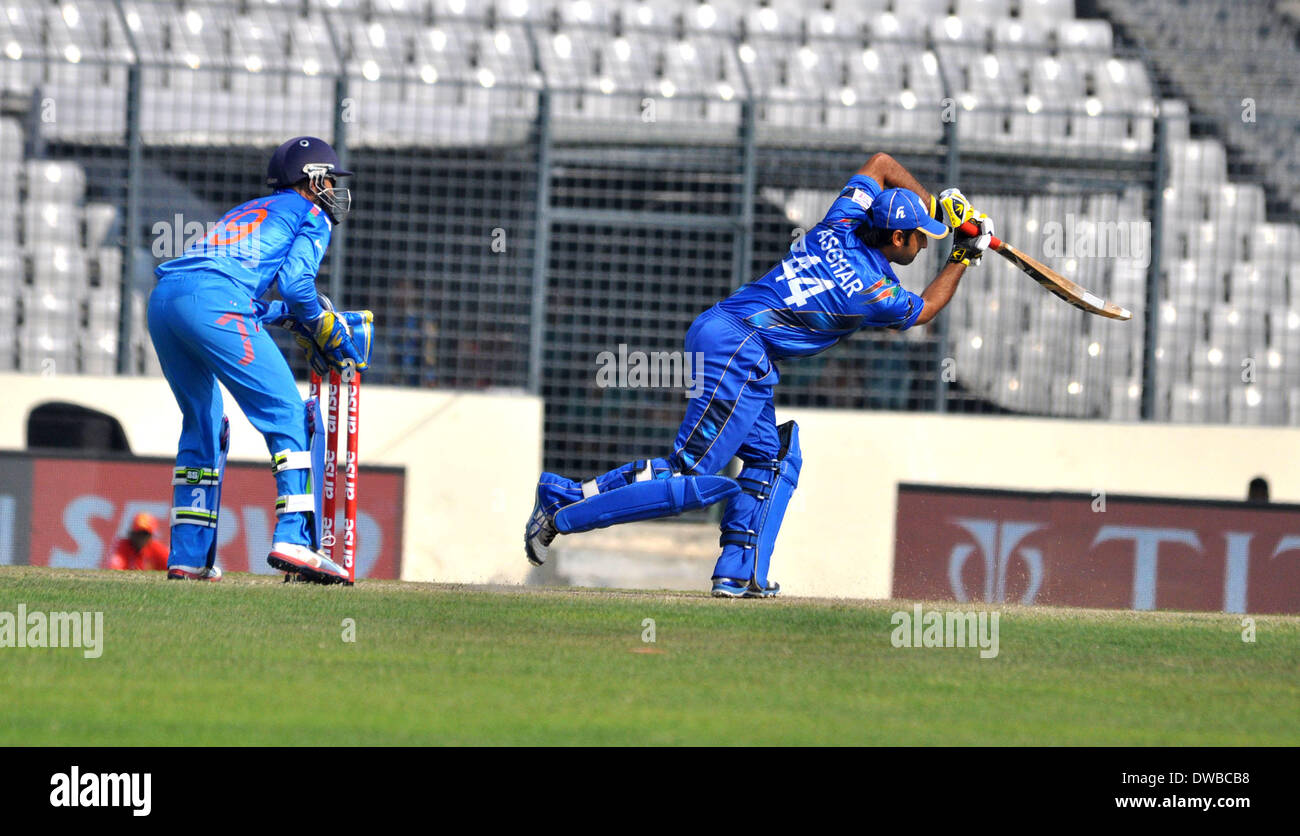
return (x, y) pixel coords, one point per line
(303, 337)
(330, 334)
(968, 249)
(951, 208)
(360, 328)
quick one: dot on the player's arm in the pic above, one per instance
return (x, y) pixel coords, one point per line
(950, 206)
(890, 174)
(296, 278)
(939, 292)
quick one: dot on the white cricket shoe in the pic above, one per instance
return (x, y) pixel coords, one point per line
(306, 563)
(194, 573)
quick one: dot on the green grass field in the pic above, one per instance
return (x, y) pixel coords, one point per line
(252, 661)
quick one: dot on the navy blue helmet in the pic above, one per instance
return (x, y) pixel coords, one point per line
(312, 159)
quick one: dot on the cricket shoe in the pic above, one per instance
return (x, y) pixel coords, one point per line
(193, 573)
(731, 588)
(307, 564)
(539, 534)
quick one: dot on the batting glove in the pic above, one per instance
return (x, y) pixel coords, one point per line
(969, 249)
(951, 208)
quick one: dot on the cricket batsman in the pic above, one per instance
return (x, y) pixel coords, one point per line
(205, 319)
(836, 279)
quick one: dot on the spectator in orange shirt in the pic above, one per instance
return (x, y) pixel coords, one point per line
(138, 550)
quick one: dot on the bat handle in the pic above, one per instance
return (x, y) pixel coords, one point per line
(972, 230)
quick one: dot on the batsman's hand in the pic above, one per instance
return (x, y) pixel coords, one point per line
(969, 249)
(952, 208)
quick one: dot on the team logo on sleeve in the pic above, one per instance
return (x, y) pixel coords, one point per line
(858, 196)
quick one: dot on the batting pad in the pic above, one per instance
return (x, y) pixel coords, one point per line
(644, 501)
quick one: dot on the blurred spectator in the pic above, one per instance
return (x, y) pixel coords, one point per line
(411, 333)
(1258, 491)
(139, 549)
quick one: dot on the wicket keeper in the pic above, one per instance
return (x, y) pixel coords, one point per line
(205, 319)
(836, 279)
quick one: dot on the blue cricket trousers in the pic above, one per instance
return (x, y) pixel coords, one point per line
(732, 415)
(205, 329)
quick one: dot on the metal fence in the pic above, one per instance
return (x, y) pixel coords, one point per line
(513, 219)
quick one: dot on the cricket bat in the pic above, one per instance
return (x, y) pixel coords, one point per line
(1077, 295)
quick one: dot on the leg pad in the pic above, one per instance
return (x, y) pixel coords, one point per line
(644, 500)
(753, 518)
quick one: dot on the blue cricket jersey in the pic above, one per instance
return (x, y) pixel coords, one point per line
(279, 239)
(828, 286)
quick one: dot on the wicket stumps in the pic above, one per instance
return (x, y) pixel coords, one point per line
(329, 479)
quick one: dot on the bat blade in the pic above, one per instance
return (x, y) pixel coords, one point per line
(1071, 292)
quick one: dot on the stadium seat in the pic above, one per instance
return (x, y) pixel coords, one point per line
(60, 268)
(1046, 10)
(983, 10)
(959, 30)
(1057, 81)
(47, 224)
(1197, 161)
(1125, 400)
(899, 27)
(1013, 36)
(43, 350)
(98, 349)
(585, 12)
(842, 18)
(459, 10)
(658, 16)
(55, 182)
(1187, 404)
(773, 18)
(92, 107)
(1085, 35)
(698, 65)
(714, 16)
